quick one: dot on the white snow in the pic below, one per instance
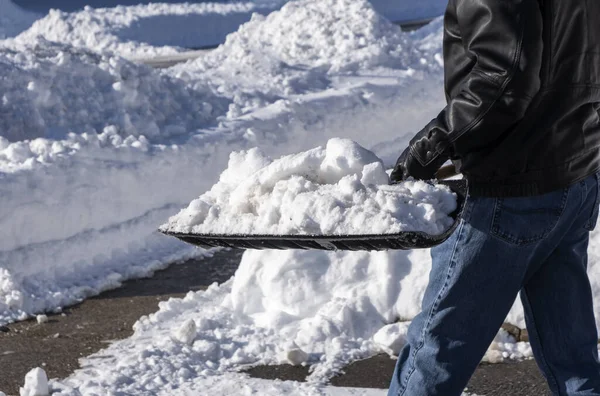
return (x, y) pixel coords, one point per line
(52, 90)
(99, 152)
(41, 319)
(36, 383)
(227, 339)
(302, 48)
(149, 29)
(162, 29)
(14, 19)
(296, 356)
(340, 189)
(391, 338)
(186, 333)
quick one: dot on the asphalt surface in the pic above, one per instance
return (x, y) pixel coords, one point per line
(92, 325)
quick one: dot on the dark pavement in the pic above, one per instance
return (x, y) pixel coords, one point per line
(90, 326)
(506, 379)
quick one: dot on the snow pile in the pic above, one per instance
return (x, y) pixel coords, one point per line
(299, 49)
(147, 30)
(154, 29)
(84, 189)
(50, 90)
(13, 19)
(279, 308)
(342, 189)
(340, 35)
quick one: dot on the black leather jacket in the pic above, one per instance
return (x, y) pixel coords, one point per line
(522, 81)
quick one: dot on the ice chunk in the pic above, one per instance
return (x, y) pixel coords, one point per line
(36, 383)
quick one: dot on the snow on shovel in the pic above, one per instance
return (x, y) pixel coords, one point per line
(332, 198)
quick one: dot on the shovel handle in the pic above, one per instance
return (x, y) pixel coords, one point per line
(446, 172)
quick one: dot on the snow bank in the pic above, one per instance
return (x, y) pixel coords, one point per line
(86, 220)
(147, 30)
(14, 19)
(341, 189)
(301, 48)
(50, 90)
(154, 29)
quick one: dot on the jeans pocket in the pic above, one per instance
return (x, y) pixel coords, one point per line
(526, 220)
(591, 223)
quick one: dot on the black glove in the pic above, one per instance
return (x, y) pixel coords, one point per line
(407, 166)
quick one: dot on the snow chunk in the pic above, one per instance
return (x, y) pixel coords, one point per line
(186, 333)
(336, 190)
(297, 356)
(36, 383)
(391, 338)
(505, 347)
(298, 49)
(41, 319)
(294, 355)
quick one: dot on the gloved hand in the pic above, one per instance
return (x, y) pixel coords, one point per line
(407, 165)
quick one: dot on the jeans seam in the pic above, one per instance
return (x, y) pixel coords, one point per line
(590, 223)
(552, 382)
(433, 309)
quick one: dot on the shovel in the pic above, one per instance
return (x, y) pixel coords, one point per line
(403, 240)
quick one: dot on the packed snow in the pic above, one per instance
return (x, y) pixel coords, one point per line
(340, 189)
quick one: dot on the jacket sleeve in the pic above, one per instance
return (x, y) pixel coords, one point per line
(504, 37)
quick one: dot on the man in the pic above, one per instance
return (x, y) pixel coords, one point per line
(522, 80)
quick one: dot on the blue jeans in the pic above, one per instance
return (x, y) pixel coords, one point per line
(535, 245)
